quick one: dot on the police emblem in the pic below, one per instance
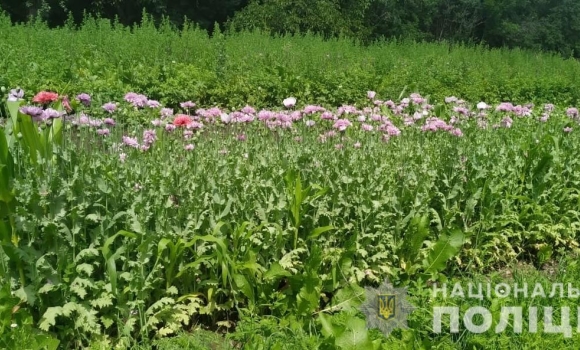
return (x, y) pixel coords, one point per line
(386, 308)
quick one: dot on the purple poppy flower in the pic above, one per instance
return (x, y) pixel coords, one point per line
(109, 121)
(110, 107)
(572, 112)
(50, 113)
(153, 104)
(137, 100)
(149, 137)
(32, 111)
(95, 123)
(342, 124)
(248, 110)
(170, 127)
(15, 94)
(166, 113)
(187, 104)
(85, 99)
(130, 141)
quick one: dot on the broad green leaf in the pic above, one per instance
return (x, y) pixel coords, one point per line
(46, 342)
(445, 248)
(102, 186)
(275, 271)
(31, 137)
(329, 328)
(414, 238)
(308, 297)
(13, 107)
(242, 283)
(27, 294)
(349, 297)
(355, 335)
(55, 136)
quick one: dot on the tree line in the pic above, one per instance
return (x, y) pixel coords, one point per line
(548, 25)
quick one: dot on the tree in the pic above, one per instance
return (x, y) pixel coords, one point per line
(326, 17)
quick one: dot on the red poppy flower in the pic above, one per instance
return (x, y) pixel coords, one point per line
(45, 97)
(182, 120)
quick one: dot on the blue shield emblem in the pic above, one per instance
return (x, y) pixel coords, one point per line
(387, 309)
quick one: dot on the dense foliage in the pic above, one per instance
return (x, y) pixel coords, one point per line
(532, 24)
(115, 231)
(265, 205)
(107, 60)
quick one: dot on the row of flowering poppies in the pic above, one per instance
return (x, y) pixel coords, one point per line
(380, 116)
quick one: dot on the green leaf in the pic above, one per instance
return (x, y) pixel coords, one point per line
(192, 265)
(308, 298)
(31, 139)
(242, 283)
(102, 186)
(445, 248)
(107, 321)
(349, 297)
(159, 305)
(55, 135)
(545, 253)
(276, 270)
(13, 107)
(439, 110)
(46, 342)
(110, 258)
(112, 273)
(68, 308)
(329, 328)
(355, 336)
(107, 246)
(103, 301)
(27, 294)
(414, 238)
(49, 317)
(320, 230)
(5, 230)
(6, 170)
(88, 252)
(46, 288)
(78, 290)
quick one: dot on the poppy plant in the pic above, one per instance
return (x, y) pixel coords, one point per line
(45, 97)
(182, 120)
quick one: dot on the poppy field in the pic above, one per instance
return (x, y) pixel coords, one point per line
(128, 221)
(241, 191)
